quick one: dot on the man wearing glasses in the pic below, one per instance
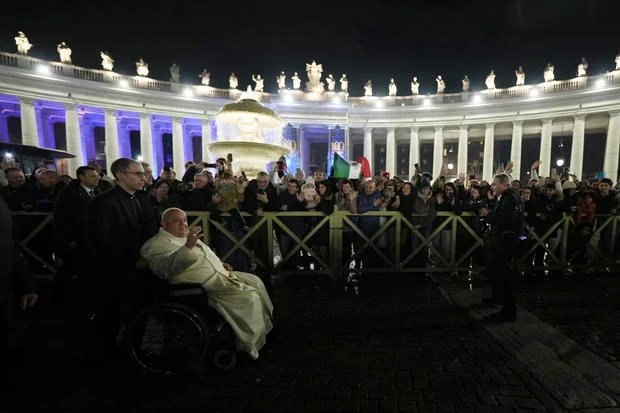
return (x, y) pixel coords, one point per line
(121, 220)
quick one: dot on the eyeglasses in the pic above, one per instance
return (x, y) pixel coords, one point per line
(138, 174)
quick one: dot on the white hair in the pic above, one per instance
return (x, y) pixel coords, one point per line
(163, 214)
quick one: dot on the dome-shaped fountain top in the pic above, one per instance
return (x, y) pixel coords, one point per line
(232, 113)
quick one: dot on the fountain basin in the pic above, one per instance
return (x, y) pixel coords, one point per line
(250, 157)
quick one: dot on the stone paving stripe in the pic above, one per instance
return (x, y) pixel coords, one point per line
(575, 376)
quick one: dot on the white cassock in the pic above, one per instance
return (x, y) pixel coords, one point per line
(240, 297)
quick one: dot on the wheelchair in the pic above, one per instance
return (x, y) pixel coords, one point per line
(174, 334)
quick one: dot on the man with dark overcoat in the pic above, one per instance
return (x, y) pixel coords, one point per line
(507, 224)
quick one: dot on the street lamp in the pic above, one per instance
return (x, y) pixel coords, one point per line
(559, 162)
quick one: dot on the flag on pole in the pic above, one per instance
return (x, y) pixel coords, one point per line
(352, 170)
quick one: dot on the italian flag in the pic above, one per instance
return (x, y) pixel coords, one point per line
(353, 170)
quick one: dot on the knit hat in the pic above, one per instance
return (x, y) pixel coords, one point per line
(309, 180)
(568, 185)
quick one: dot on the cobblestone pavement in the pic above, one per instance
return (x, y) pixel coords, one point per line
(407, 344)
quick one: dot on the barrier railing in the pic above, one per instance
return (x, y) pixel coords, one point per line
(371, 242)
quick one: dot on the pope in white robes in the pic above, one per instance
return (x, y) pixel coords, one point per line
(176, 254)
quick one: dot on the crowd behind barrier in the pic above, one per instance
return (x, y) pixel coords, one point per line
(282, 223)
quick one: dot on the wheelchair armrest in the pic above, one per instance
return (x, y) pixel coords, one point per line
(184, 289)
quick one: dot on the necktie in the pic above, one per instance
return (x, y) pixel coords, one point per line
(91, 193)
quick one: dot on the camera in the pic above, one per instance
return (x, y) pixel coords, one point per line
(260, 191)
(167, 168)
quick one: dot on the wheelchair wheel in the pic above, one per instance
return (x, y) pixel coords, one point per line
(167, 339)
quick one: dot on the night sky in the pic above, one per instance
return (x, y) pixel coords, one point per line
(365, 40)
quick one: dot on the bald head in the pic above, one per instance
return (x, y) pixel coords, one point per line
(174, 220)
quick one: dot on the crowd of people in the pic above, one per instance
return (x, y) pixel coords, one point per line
(100, 223)
(214, 188)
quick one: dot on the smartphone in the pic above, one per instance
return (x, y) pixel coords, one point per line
(229, 158)
(554, 171)
(245, 177)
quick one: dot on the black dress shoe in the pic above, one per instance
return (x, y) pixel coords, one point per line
(502, 316)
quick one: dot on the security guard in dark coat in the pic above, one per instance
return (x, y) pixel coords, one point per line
(507, 224)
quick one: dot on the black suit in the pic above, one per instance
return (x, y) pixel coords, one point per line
(119, 224)
(70, 229)
(507, 223)
(70, 215)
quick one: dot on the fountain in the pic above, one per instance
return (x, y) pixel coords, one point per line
(250, 151)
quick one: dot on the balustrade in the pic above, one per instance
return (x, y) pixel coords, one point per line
(97, 75)
(385, 243)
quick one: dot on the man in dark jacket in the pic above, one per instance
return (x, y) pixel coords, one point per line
(120, 221)
(18, 194)
(70, 223)
(507, 224)
(291, 201)
(15, 279)
(260, 196)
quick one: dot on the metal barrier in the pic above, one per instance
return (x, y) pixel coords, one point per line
(260, 244)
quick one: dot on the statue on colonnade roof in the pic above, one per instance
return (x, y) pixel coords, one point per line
(175, 73)
(65, 52)
(392, 89)
(618, 61)
(260, 83)
(22, 42)
(296, 81)
(415, 86)
(106, 61)
(520, 74)
(368, 88)
(441, 84)
(142, 68)
(548, 73)
(331, 82)
(490, 80)
(205, 77)
(582, 68)
(466, 83)
(281, 79)
(314, 84)
(233, 82)
(344, 83)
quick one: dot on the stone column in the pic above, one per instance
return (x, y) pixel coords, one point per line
(347, 144)
(545, 148)
(462, 152)
(368, 148)
(438, 152)
(28, 120)
(4, 128)
(111, 139)
(488, 170)
(74, 139)
(206, 140)
(414, 150)
(178, 149)
(390, 152)
(302, 149)
(515, 148)
(146, 139)
(330, 152)
(612, 147)
(576, 151)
